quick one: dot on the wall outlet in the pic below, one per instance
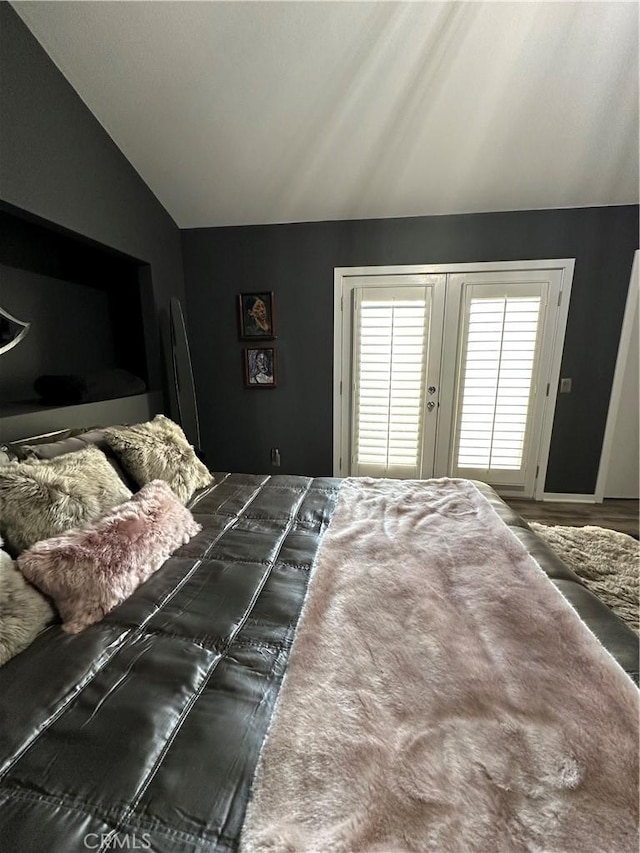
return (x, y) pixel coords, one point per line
(565, 386)
(275, 457)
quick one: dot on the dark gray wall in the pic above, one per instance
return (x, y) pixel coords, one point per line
(56, 342)
(57, 162)
(297, 263)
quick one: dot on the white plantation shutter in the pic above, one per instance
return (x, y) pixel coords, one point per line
(390, 345)
(497, 380)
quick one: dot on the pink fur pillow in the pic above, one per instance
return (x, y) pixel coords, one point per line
(89, 570)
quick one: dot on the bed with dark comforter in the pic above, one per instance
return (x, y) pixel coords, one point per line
(145, 730)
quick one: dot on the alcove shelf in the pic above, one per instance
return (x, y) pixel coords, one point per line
(20, 421)
(91, 309)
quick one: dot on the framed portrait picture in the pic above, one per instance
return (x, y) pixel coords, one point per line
(260, 367)
(255, 313)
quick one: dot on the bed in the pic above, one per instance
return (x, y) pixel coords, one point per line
(147, 730)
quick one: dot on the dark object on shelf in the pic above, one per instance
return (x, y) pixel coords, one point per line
(70, 390)
(61, 390)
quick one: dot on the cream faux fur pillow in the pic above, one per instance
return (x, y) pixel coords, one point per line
(24, 611)
(159, 450)
(42, 497)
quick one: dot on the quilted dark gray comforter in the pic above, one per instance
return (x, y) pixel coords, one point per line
(149, 724)
(143, 732)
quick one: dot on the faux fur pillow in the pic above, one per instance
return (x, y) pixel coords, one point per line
(159, 450)
(42, 497)
(24, 612)
(90, 570)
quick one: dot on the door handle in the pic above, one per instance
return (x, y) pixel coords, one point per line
(430, 405)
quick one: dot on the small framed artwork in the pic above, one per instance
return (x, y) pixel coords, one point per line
(260, 367)
(255, 311)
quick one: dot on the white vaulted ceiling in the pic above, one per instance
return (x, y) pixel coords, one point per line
(259, 112)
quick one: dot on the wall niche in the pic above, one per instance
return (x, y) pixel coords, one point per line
(90, 307)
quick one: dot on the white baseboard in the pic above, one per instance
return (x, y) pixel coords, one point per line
(560, 497)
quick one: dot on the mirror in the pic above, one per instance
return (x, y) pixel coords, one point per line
(12, 331)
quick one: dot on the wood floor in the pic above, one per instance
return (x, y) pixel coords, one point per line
(616, 514)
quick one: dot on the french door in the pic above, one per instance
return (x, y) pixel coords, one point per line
(395, 356)
(448, 373)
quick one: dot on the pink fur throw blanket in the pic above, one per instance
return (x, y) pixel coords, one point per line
(442, 695)
(89, 570)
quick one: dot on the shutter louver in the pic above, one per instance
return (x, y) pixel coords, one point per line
(389, 382)
(499, 360)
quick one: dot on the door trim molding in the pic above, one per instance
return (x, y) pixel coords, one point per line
(338, 332)
(562, 497)
(624, 349)
(565, 265)
(480, 266)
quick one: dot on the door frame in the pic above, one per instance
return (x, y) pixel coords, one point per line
(341, 328)
(625, 351)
